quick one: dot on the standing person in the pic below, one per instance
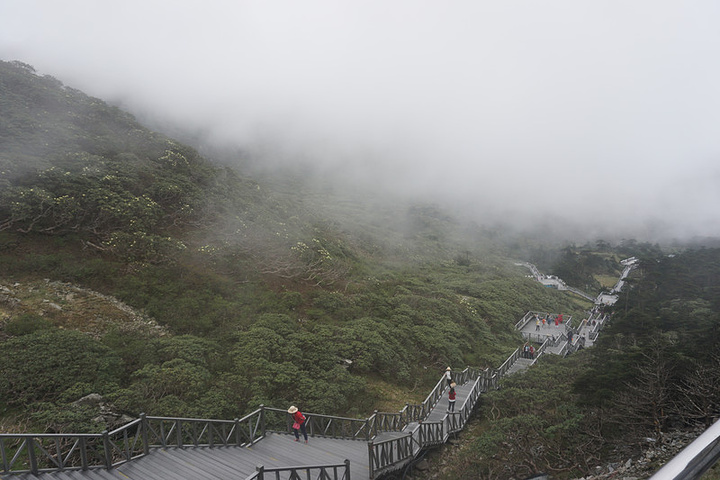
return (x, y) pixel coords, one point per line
(451, 398)
(537, 324)
(299, 425)
(448, 375)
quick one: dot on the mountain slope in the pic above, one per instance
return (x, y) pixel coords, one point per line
(264, 293)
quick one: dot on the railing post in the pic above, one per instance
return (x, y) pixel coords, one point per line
(31, 455)
(375, 422)
(370, 459)
(237, 432)
(144, 433)
(347, 469)
(83, 454)
(250, 431)
(178, 433)
(260, 472)
(106, 449)
(262, 419)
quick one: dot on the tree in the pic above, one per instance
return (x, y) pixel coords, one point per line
(644, 404)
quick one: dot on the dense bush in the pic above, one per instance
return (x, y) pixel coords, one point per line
(41, 366)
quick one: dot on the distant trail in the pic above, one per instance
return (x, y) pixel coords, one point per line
(603, 298)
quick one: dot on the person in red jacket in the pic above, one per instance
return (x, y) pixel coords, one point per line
(451, 398)
(299, 425)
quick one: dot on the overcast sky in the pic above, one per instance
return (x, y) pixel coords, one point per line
(605, 111)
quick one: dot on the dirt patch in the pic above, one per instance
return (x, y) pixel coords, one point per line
(72, 307)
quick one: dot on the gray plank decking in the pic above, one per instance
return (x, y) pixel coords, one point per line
(226, 463)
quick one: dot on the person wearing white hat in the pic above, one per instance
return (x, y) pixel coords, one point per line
(448, 375)
(299, 425)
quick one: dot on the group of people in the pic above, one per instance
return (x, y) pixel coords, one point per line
(542, 321)
(528, 351)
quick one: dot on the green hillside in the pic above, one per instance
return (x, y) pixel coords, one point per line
(261, 294)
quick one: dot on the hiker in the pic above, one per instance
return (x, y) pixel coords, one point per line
(448, 375)
(299, 425)
(537, 324)
(451, 398)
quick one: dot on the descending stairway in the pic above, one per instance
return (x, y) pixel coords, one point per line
(520, 365)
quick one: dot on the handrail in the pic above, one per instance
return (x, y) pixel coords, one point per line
(47, 452)
(540, 350)
(279, 421)
(524, 320)
(695, 459)
(323, 472)
(502, 370)
(420, 412)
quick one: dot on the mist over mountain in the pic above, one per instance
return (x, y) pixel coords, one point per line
(587, 120)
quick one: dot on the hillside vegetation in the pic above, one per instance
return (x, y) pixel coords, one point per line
(242, 293)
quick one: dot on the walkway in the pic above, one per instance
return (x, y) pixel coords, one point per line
(205, 463)
(604, 298)
(391, 450)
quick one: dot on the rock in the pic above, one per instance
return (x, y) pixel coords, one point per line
(628, 464)
(422, 465)
(92, 400)
(125, 419)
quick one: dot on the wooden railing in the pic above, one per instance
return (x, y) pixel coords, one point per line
(503, 369)
(316, 472)
(278, 420)
(416, 413)
(36, 453)
(541, 349)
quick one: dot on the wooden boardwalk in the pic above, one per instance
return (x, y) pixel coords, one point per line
(238, 463)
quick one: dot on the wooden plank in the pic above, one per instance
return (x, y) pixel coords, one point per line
(162, 466)
(205, 459)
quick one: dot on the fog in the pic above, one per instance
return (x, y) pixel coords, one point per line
(604, 115)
